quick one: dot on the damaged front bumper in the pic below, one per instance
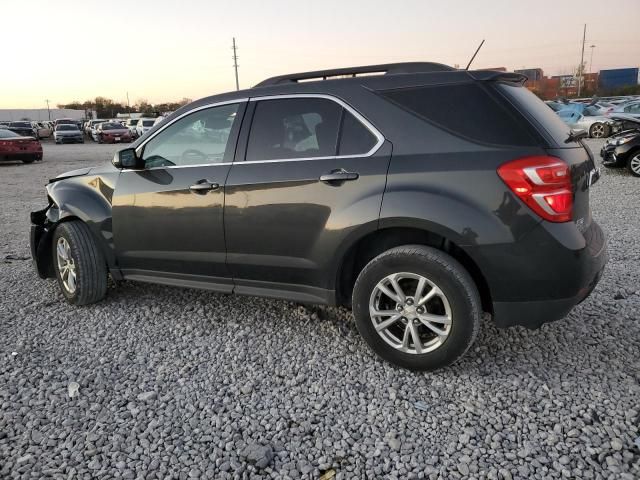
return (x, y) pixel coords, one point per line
(40, 241)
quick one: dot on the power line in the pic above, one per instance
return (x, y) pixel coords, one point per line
(235, 62)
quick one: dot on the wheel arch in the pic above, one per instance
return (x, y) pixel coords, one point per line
(371, 244)
(86, 199)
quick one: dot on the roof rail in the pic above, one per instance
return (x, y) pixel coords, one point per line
(383, 69)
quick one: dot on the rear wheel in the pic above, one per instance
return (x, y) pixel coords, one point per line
(417, 307)
(79, 264)
(599, 130)
(634, 164)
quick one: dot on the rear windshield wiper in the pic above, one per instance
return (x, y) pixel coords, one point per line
(575, 135)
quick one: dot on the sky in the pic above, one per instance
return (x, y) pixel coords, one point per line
(164, 50)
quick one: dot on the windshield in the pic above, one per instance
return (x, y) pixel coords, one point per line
(112, 126)
(148, 123)
(591, 111)
(66, 127)
(7, 133)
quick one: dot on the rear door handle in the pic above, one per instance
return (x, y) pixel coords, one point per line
(203, 186)
(340, 175)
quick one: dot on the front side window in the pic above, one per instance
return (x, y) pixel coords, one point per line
(199, 138)
(294, 128)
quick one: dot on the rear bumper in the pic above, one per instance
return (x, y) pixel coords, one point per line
(542, 277)
(70, 139)
(21, 156)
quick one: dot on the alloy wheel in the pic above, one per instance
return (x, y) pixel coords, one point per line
(634, 164)
(598, 130)
(410, 313)
(66, 265)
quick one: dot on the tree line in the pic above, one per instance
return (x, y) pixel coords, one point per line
(108, 108)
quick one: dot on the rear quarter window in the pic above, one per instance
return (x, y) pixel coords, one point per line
(467, 110)
(541, 114)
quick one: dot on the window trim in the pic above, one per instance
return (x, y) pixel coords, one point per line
(140, 147)
(376, 133)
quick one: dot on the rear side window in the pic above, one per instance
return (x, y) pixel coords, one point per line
(294, 128)
(467, 110)
(355, 138)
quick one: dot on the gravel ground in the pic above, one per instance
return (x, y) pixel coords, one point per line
(173, 383)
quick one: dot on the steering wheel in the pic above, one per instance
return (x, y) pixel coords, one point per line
(190, 155)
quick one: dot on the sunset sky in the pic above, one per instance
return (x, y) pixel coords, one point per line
(163, 50)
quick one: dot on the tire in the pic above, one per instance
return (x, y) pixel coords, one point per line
(31, 160)
(599, 130)
(89, 266)
(633, 164)
(446, 276)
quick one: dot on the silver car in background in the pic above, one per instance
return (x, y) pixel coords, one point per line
(68, 133)
(597, 126)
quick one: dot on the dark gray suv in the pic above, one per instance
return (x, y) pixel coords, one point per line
(419, 195)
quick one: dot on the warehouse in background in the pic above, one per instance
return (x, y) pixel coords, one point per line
(39, 114)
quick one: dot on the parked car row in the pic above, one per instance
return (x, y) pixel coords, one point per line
(596, 117)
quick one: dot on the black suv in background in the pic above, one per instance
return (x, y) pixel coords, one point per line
(420, 195)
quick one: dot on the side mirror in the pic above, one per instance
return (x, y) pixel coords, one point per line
(127, 158)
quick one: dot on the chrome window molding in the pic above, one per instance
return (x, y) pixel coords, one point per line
(197, 109)
(376, 133)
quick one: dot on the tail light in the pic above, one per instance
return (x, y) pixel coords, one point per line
(543, 183)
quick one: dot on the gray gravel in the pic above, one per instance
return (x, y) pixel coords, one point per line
(175, 383)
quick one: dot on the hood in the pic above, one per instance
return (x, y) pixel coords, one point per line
(66, 133)
(100, 170)
(73, 173)
(624, 117)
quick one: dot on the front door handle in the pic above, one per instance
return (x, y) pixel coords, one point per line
(340, 175)
(203, 186)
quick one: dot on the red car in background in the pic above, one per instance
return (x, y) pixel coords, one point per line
(112, 132)
(17, 147)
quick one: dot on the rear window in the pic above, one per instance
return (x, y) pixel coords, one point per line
(536, 108)
(7, 133)
(148, 123)
(66, 127)
(467, 110)
(20, 125)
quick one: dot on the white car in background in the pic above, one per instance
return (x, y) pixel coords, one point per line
(131, 125)
(144, 125)
(42, 129)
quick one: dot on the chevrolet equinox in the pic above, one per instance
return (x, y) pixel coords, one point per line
(419, 195)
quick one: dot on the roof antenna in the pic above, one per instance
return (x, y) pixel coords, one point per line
(474, 55)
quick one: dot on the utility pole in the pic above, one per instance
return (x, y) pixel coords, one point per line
(591, 60)
(48, 110)
(235, 62)
(581, 67)
(128, 104)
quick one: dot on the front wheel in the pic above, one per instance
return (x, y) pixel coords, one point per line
(79, 264)
(417, 307)
(634, 164)
(599, 130)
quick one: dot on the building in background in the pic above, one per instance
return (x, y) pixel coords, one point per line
(39, 114)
